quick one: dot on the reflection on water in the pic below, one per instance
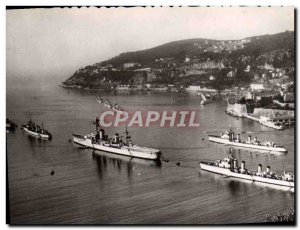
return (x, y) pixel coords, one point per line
(235, 185)
(120, 159)
(237, 149)
(120, 162)
(36, 144)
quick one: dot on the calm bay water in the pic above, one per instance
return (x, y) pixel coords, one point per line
(91, 187)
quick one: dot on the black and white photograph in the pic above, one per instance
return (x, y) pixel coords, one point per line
(150, 115)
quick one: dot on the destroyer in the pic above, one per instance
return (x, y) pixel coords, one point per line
(121, 145)
(228, 138)
(229, 167)
(36, 131)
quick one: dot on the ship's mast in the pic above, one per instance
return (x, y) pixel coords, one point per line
(127, 137)
(283, 166)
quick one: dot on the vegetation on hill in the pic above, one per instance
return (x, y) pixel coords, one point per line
(180, 49)
(205, 62)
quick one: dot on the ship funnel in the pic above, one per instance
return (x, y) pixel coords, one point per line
(268, 169)
(117, 138)
(255, 139)
(232, 136)
(235, 163)
(102, 134)
(243, 166)
(249, 138)
(238, 137)
(259, 168)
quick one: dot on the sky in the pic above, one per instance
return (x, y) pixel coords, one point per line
(55, 42)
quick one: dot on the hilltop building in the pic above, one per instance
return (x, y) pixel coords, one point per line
(212, 78)
(257, 86)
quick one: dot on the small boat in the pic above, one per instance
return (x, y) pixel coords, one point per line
(36, 131)
(228, 138)
(108, 104)
(269, 122)
(205, 98)
(10, 125)
(99, 99)
(229, 167)
(117, 108)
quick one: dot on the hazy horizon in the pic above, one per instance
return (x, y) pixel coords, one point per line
(56, 42)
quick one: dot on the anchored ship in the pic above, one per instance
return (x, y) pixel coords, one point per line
(228, 138)
(117, 108)
(108, 104)
(229, 167)
(121, 145)
(10, 125)
(205, 98)
(99, 99)
(36, 131)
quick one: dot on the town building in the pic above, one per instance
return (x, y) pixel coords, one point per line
(129, 65)
(258, 95)
(122, 87)
(193, 88)
(257, 86)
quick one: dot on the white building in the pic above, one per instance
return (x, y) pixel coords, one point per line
(231, 73)
(129, 65)
(123, 87)
(193, 88)
(248, 68)
(212, 78)
(257, 86)
(144, 69)
(237, 109)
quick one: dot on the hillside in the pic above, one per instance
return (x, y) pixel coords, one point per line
(193, 47)
(193, 61)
